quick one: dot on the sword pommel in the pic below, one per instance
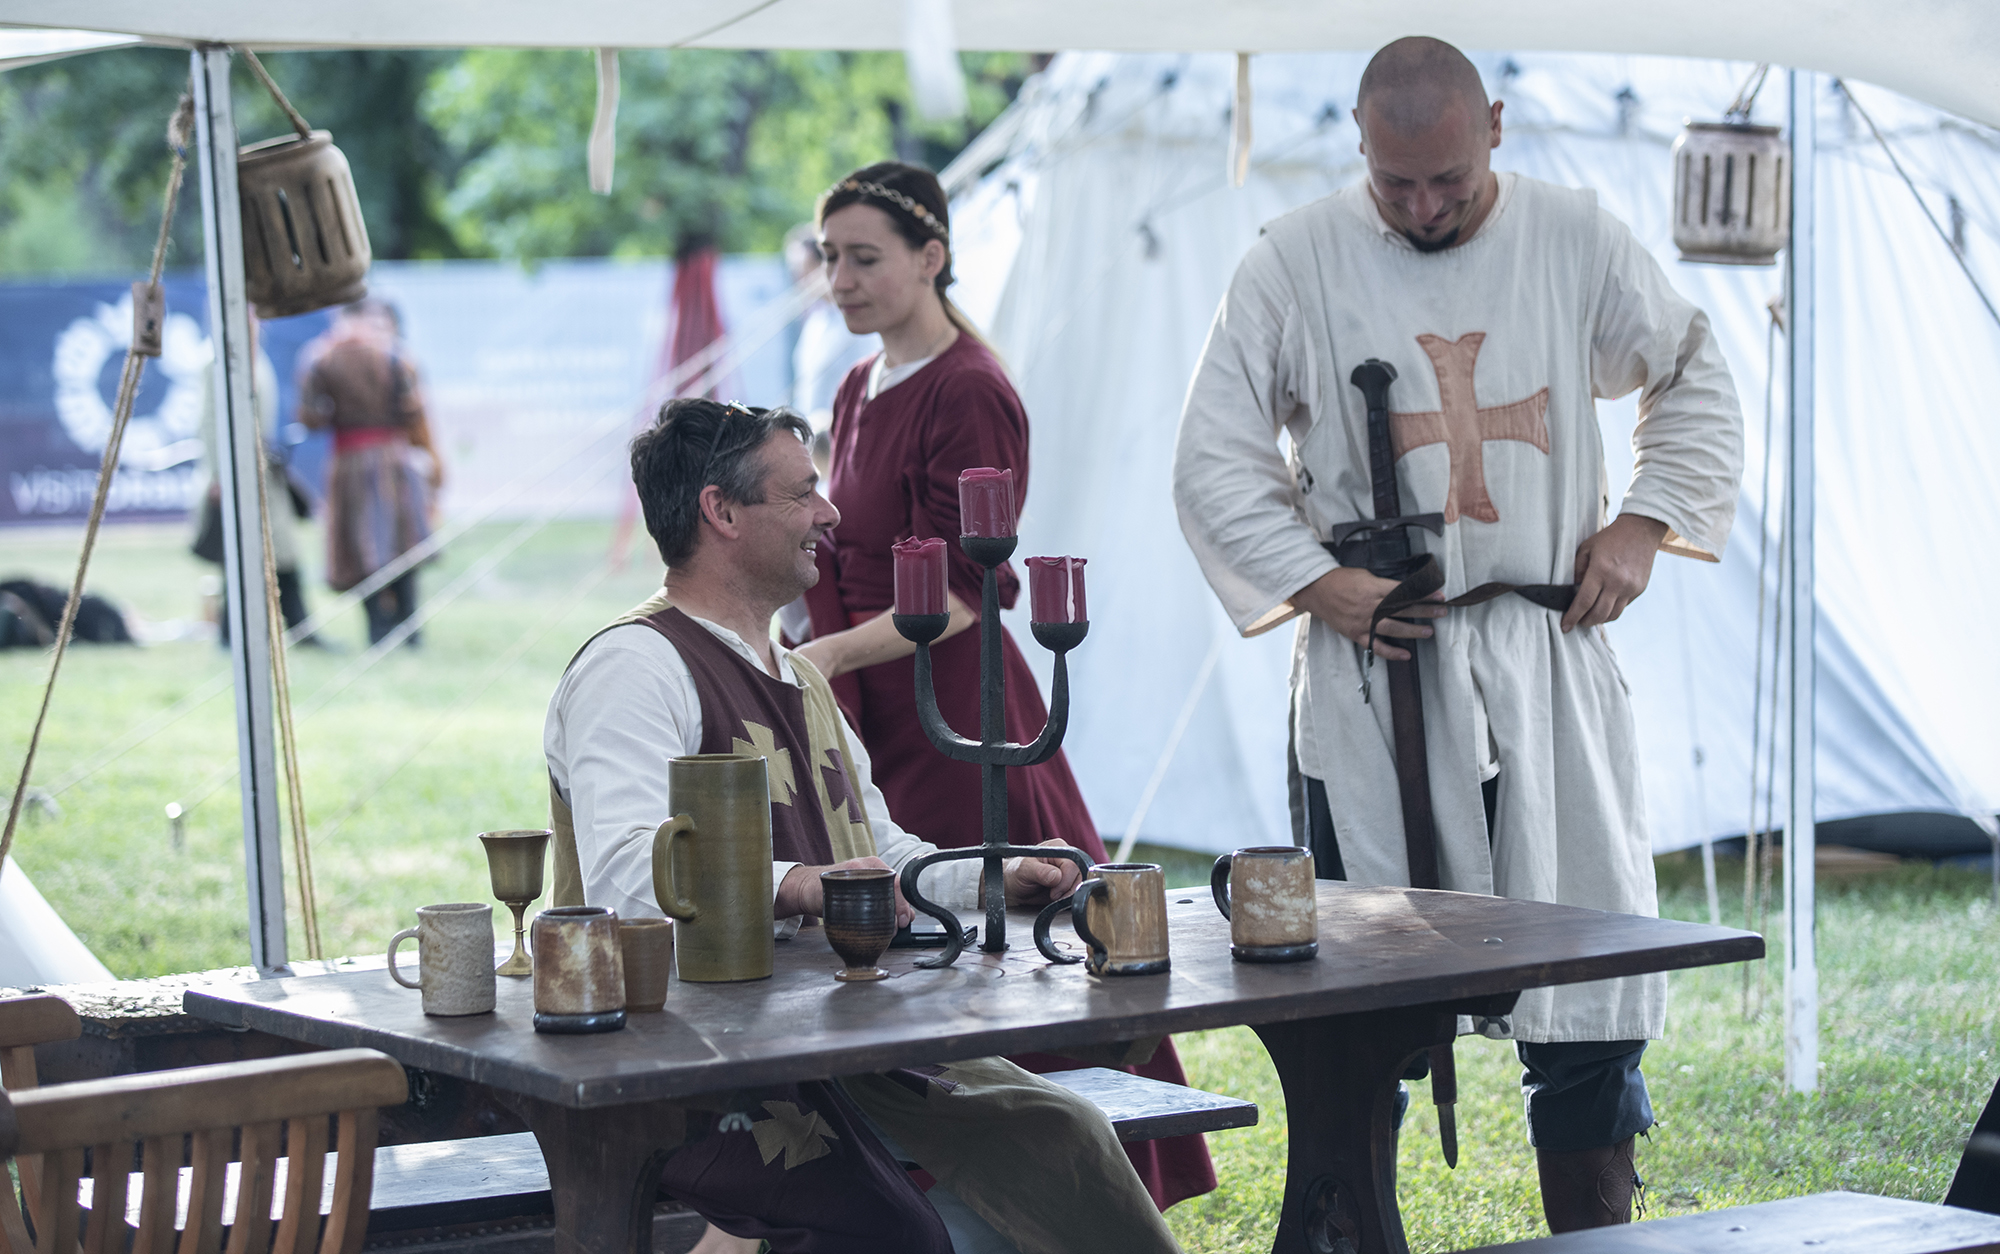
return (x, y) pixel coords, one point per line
(1373, 377)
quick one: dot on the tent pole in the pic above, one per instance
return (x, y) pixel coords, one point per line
(240, 459)
(1801, 958)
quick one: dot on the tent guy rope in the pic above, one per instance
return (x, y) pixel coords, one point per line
(179, 128)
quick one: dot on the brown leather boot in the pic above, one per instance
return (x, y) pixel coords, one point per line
(1589, 1188)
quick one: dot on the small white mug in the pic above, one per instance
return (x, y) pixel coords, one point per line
(454, 958)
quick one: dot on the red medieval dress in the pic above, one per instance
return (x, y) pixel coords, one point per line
(895, 466)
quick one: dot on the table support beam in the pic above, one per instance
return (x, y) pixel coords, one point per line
(599, 1153)
(1340, 1074)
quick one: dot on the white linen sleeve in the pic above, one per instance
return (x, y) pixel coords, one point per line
(954, 885)
(1233, 490)
(624, 710)
(1688, 445)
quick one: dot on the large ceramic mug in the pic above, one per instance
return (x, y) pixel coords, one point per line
(1268, 895)
(454, 957)
(1120, 912)
(712, 867)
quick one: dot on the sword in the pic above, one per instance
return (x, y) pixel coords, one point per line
(1382, 546)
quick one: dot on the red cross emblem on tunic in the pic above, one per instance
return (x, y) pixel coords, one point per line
(1463, 427)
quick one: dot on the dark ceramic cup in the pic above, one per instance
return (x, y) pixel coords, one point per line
(860, 918)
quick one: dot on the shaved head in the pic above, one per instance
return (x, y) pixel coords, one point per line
(1413, 83)
(1428, 132)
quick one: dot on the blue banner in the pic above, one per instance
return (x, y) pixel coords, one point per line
(62, 348)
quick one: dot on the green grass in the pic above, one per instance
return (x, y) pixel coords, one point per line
(1909, 1025)
(1908, 958)
(108, 865)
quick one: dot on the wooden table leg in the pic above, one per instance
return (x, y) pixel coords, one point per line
(604, 1170)
(1340, 1075)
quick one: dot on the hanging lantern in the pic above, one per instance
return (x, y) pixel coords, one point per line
(305, 246)
(1731, 193)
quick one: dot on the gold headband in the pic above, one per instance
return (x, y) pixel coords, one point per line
(907, 204)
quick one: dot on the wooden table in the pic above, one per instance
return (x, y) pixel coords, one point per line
(1396, 967)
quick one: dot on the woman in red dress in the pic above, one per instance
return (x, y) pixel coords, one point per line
(933, 403)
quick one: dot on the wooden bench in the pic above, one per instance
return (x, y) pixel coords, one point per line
(495, 1183)
(1824, 1223)
(493, 1191)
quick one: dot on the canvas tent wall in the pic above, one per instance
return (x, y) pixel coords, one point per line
(1097, 248)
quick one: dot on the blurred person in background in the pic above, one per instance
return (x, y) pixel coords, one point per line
(287, 504)
(357, 380)
(826, 350)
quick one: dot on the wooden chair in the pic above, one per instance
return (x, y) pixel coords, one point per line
(274, 1118)
(26, 1022)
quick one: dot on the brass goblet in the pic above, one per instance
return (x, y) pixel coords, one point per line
(515, 861)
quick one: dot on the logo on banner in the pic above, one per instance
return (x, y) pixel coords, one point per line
(167, 437)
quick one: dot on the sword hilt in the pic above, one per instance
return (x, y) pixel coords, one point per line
(1373, 377)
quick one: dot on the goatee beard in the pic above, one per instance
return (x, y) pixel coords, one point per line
(1437, 245)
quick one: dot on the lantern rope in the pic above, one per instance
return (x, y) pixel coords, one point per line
(180, 128)
(299, 123)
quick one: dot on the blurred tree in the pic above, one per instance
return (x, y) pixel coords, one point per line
(83, 163)
(714, 147)
(83, 155)
(369, 100)
(477, 153)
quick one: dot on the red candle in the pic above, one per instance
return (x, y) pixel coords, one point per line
(986, 502)
(920, 576)
(1055, 590)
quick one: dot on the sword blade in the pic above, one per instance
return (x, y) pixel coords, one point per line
(1444, 1092)
(1413, 772)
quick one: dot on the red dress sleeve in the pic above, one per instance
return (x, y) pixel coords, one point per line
(977, 420)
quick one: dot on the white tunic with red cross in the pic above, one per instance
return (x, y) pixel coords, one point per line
(1501, 346)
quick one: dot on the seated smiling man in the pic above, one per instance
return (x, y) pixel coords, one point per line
(732, 499)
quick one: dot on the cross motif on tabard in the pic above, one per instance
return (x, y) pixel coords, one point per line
(1463, 427)
(839, 793)
(763, 743)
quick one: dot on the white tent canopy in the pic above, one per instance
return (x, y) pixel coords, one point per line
(1938, 51)
(1097, 249)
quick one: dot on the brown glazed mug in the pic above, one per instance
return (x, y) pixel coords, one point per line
(1268, 895)
(646, 946)
(454, 958)
(579, 972)
(712, 867)
(1120, 912)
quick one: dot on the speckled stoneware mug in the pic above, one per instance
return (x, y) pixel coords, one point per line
(1268, 895)
(454, 957)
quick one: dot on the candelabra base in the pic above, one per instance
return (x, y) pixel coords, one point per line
(995, 899)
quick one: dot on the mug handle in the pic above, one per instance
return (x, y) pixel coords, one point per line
(1218, 882)
(1078, 902)
(672, 904)
(395, 942)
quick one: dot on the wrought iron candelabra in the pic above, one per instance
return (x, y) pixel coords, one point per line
(991, 751)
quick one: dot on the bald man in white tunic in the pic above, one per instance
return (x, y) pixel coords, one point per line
(1507, 306)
